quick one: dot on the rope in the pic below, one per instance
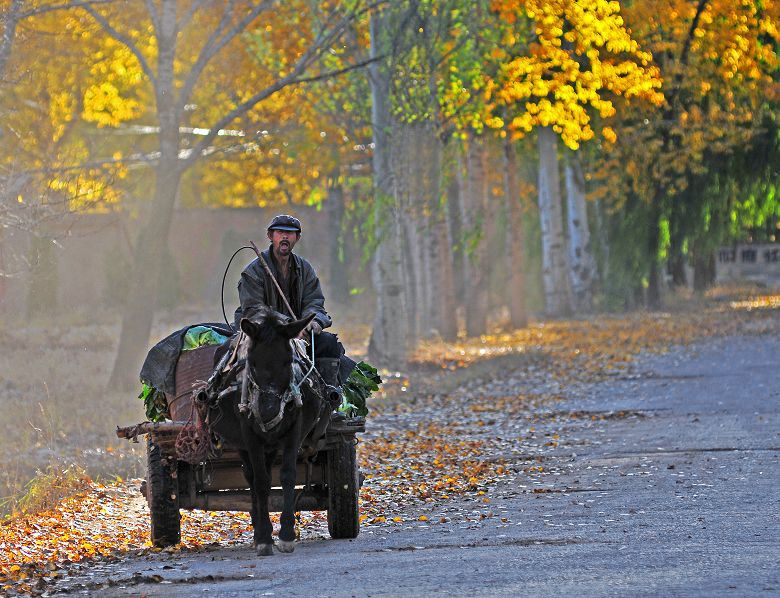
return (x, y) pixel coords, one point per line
(224, 276)
(193, 442)
(296, 388)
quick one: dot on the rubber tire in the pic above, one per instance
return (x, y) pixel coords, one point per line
(343, 492)
(163, 497)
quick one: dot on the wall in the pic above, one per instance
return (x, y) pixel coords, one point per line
(92, 254)
(754, 262)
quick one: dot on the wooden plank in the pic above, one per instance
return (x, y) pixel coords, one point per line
(241, 501)
(228, 475)
(131, 432)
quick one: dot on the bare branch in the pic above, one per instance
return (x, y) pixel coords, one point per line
(294, 77)
(39, 10)
(341, 71)
(684, 53)
(198, 150)
(103, 22)
(195, 6)
(214, 44)
(151, 7)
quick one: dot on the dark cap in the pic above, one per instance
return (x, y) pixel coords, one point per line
(285, 222)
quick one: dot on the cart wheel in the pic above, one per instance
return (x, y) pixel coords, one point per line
(162, 493)
(343, 489)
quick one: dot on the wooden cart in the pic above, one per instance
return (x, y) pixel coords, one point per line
(218, 484)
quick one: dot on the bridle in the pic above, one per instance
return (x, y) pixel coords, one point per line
(250, 388)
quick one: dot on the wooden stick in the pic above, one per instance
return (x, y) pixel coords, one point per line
(273, 278)
(132, 432)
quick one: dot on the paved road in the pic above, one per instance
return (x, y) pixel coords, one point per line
(666, 483)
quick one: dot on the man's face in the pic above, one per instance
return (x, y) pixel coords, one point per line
(283, 241)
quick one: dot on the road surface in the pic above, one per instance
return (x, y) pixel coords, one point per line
(664, 482)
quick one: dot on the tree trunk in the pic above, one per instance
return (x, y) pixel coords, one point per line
(555, 275)
(653, 240)
(441, 282)
(411, 272)
(153, 238)
(454, 216)
(388, 343)
(142, 301)
(581, 262)
(703, 269)
(514, 238)
(475, 203)
(338, 289)
(677, 267)
(408, 175)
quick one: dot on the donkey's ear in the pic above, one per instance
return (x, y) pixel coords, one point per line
(250, 328)
(292, 329)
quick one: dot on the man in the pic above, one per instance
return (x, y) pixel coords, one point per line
(301, 287)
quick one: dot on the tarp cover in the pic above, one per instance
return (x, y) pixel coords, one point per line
(159, 368)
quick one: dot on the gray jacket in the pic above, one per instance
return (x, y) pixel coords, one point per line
(256, 290)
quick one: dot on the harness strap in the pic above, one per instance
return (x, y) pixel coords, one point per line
(297, 387)
(293, 393)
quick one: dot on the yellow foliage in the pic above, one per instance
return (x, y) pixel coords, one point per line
(582, 57)
(714, 92)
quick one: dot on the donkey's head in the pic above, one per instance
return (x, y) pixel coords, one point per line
(269, 364)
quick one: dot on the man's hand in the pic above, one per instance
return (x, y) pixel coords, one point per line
(314, 325)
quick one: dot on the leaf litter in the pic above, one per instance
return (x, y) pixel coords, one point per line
(464, 417)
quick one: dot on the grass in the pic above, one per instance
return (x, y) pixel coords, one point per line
(59, 421)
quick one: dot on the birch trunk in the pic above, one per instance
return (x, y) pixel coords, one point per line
(581, 262)
(555, 276)
(475, 203)
(412, 196)
(388, 343)
(441, 283)
(515, 239)
(404, 173)
(411, 272)
(455, 212)
(339, 276)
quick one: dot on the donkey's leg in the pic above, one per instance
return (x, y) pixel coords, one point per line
(250, 479)
(261, 487)
(290, 446)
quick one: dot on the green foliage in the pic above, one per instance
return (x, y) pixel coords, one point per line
(363, 380)
(363, 215)
(627, 259)
(155, 403)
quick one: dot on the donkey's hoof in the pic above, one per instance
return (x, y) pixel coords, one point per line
(286, 545)
(264, 549)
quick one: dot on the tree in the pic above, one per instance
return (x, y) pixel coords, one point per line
(582, 266)
(191, 53)
(581, 58)
(518, 312)
(719, 61)
(389, 340)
